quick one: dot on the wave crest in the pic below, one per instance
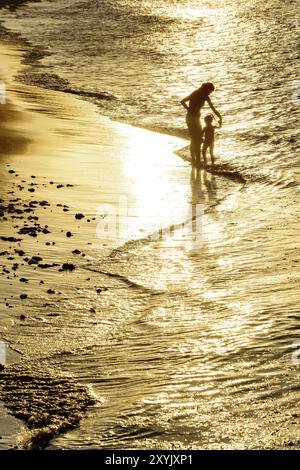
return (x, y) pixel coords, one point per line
(55, 82)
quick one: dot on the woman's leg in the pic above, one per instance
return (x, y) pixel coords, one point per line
(195, 132)
(193, 158)
(197, 148)
(204, 150)
(212, 154)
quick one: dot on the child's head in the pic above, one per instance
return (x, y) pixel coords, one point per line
(208, 119)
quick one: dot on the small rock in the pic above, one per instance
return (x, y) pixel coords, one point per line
(35, 260)
(68, 267)
(47, 265)
(20, 252)
(11, 239)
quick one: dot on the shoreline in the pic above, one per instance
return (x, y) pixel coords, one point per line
(32, 57)
(52, 126)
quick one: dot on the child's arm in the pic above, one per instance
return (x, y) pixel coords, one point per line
(214, 110)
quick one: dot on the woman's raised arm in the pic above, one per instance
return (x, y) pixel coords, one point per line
(214, 109)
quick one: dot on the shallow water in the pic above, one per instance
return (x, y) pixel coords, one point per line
(203, 357)
(191, 346)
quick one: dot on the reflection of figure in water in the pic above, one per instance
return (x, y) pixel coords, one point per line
(211, 186)
(196, 101)
(209, 138)
(198, 197)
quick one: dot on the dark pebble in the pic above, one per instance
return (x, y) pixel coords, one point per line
(46, 265)
(68, 267)
(11, 239)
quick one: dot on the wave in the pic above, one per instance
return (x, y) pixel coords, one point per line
(57, 83)
(243, 174)
(50, 404)
(139, 16)
(120, 277)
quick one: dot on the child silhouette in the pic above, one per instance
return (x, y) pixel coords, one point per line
(209, 138)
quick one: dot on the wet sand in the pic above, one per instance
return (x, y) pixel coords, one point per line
(63, 169)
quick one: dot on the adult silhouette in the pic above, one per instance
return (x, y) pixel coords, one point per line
(196, 101)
